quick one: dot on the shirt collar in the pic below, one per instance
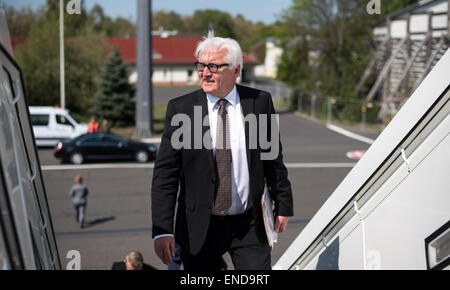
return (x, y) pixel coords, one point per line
(231, 98)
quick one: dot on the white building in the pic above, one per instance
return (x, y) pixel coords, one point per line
(268, 52)
(173, 59)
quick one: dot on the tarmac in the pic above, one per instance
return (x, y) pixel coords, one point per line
(118, 211)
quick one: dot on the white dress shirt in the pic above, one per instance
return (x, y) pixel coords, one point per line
(240, 180)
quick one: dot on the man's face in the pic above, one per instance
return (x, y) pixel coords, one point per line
(220, 83)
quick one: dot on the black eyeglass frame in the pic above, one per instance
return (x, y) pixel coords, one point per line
(212, 67)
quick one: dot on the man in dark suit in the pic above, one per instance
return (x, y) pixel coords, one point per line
(221, 172)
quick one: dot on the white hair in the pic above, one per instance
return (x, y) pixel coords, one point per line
(234, 52)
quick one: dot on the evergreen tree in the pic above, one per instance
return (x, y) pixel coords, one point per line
(113, 99)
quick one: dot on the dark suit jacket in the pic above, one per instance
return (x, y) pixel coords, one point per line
(194, 171)
(120, 266)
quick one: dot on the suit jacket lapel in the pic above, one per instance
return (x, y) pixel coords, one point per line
(247, 104)
(202, 101)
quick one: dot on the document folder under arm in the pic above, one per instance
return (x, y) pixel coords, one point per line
(269, 219)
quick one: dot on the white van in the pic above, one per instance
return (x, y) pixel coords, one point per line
(51, 125)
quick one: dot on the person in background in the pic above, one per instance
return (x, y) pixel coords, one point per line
(104, 126)
(79, 193)
(93, 126)
(133, 261)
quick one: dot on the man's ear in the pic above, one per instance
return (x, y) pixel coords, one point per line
(238, 70)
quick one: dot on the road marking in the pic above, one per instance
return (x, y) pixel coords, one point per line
(320, 165)
(103, 232)
(152, 165)
(96, 166)
(356, 154)
(151, 140)
(350, 134)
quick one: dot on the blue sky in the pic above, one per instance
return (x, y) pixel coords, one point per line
(254, 10)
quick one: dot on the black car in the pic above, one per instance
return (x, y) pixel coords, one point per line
(104, 146)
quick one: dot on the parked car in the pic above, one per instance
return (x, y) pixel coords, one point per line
(51, 125)
(103, 146)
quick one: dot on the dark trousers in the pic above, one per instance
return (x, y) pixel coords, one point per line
(80, 210)
(235, 235)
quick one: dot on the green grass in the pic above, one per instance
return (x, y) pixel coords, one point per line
(280, 104)
(159, 116)
(159, 111)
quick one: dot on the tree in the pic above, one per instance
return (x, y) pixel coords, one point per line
(337, 36)
(248, 32)
(337, 33)
(167, 20)
(98, 21)
(113, 98)
(104, 25)
(389, 6)
(222, 23)
(20, 22)
(293, 68)
(39, 59)
(74, 24)
(84, 56)
(122, 27)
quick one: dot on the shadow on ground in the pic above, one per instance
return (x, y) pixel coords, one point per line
(97, 221)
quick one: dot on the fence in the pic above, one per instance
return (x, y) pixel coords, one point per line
(348, 111)
(342, 110)
(278, 90)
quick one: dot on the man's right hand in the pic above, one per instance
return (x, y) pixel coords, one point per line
(165, 249)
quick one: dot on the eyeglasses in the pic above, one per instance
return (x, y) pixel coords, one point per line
(212, 67)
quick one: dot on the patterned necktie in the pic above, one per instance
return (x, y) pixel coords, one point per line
(223, 160)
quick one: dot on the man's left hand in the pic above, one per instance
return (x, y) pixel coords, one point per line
(281, 223)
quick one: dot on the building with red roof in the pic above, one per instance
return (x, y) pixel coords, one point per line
(173, 59)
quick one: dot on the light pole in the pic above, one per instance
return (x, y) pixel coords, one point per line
(61, 55)
(144, 100)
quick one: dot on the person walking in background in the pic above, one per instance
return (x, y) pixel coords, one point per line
(79, 194)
